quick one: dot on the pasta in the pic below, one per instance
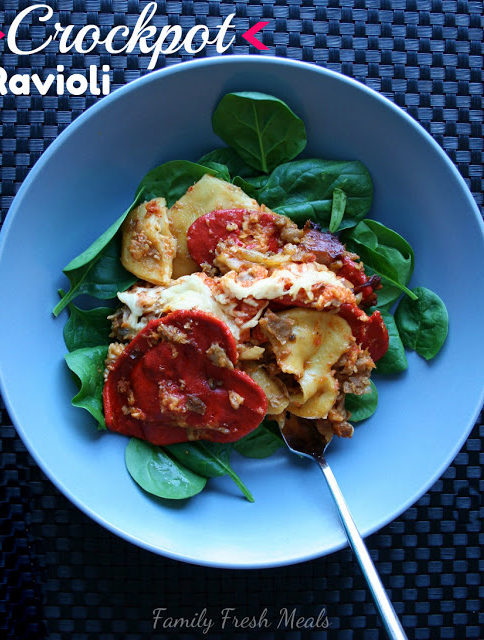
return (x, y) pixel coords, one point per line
(148, 246)
(318, 341)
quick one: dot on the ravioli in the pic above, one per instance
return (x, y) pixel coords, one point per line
(148, 246)
(318, 340)
(204, 196)
(275, 390)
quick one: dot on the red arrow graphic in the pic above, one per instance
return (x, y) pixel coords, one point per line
(249, 35)
(1, 34)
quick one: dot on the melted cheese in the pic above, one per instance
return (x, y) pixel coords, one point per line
(291, 280)
(321, 338)
(206, 195)
(188, 292)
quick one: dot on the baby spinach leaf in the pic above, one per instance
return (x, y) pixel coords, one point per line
(171, 180)
(87, 328)
(88, 366)
(209, 459)
(423, 323)
(231, 159)
(98, 271)
(337, 210)
(102, 277)
(157, 473)
(262, 129)
(260, 443)
(257, 181)
(303, 190)
(248, 186)
(386, 253)
(383, 267)
(362, 407)
(394, 360)
(391, 246)
(221, 171)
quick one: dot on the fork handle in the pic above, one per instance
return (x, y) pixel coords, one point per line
(385, 608)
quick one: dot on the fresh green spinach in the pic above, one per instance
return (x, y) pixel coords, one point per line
(208, 459)
(88, 366)
(98, 271)
(337, 210)
(87, 328)
(231, 159)
(262, 129)
(303, 190)
(157, 473)
(386, 253)
(394, 360)
(257, 181)
(250, 186)
(221, 170)
(364, 406)
(260, 443)
(423, 323)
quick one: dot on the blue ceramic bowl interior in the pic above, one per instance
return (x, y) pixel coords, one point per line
(83, 182)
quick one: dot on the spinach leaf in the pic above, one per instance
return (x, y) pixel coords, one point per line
(394, 360)
(87, 328)
(257, 181)
(399, 253)
(262, 129)
(171, 180)
(423, 323)
(386, 253)
(231, 159)
(384, 268)
(260, 443)
(98, 271)
(157, 473)
(303, 190)
(248, 186)
(362, 407)
(209, 459)
(337, 210)
(221, 170)
(88, 366)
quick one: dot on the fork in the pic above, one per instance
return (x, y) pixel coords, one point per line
(307, 441)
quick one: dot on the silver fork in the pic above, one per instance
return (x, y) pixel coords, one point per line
(307, 441)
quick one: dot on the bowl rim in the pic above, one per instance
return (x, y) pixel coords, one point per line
(104, 103)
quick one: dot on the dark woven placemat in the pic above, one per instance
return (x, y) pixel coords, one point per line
(64, 576)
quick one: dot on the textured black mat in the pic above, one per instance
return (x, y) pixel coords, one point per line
(62, 576)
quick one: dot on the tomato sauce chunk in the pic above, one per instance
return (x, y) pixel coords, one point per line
(175, 382)
(371, 334)
(361, 282)
(250, 229)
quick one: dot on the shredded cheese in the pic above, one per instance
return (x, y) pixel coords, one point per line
(289, 280)
(187, 292)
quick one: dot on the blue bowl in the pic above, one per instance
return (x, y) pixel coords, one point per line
(83, 182)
